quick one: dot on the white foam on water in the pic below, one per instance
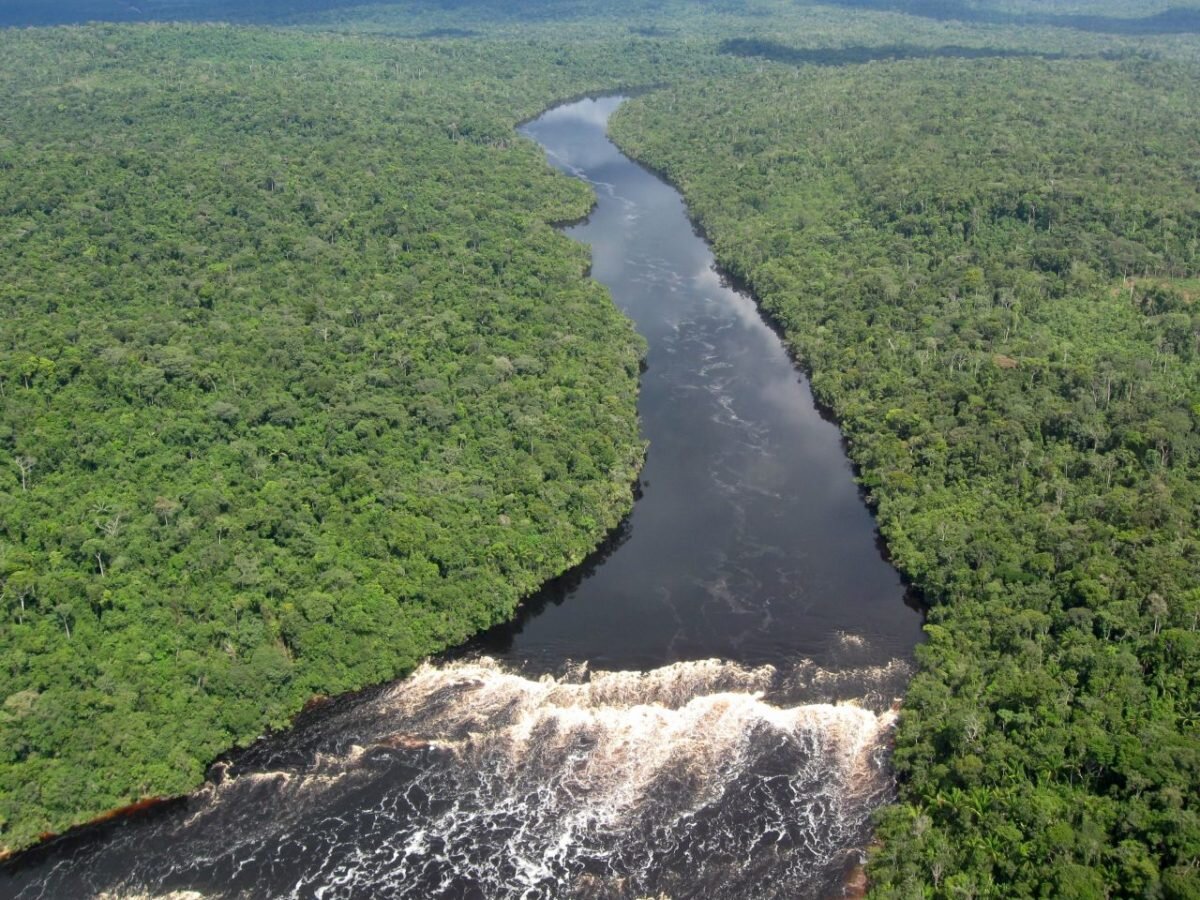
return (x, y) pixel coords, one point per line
(613, 784)
(471, 779)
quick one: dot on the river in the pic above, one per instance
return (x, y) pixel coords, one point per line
(703, 710)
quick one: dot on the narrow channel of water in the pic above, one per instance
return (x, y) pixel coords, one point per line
(750, 541)
(704, 712)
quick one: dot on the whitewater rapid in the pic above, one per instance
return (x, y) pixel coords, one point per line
(469, 779)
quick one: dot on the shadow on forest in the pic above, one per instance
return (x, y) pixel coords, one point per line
(435, 33)
(1178, 20)
(848, 56)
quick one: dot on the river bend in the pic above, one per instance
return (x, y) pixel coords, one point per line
(704, 710)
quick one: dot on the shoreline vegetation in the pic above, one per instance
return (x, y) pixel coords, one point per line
(421, 396)
(958, 337)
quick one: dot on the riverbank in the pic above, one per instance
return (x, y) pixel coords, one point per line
(290, 469)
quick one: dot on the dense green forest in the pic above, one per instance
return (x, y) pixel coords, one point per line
(298, 384)
(989, 268)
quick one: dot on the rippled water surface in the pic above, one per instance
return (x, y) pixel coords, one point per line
(704, 711)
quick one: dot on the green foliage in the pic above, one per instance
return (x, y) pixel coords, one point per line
(987, 266)
(298, 387)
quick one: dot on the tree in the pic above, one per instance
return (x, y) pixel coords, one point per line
(25, 465)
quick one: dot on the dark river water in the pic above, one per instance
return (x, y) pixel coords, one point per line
(703, 710)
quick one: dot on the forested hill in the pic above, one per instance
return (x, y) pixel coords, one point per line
(298, 386)
(991, 269)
